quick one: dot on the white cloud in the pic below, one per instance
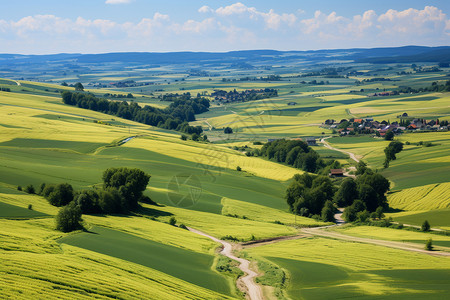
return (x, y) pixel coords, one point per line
(430, 20)
(238, 25)
(236, 8)
(196, 26)
(118, 1)
(205, 9)
(271, 19)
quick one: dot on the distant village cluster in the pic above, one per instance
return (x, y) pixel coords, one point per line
(370, 126)
(247, 95)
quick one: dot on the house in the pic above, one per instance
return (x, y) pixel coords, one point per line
(311, 141)
(336, 172)
(357, 120)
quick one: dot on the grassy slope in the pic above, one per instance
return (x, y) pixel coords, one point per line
(34, 265)
(324, 268)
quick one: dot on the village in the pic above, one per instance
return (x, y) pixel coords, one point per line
(370, 126)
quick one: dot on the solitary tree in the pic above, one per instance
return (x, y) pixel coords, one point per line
(429, 245)
(425, 226)
(228, 130)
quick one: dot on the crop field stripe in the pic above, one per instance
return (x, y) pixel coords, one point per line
(187, 265)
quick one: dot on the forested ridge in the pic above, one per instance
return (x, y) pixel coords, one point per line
(175, 117)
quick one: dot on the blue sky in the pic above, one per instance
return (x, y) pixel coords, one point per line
(95, 26)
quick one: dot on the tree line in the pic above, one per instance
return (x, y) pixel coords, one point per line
(121, 191)
(316, 196)
(175, 117)
(298, 154)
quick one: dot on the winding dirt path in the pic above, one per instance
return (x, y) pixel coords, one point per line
(253, 289)
(352, 155)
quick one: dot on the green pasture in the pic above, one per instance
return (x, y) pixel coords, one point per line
(187, 265)
(12, 211)
(319, 268)
(436, 218)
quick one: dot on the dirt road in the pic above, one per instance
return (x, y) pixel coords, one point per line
(392, 244)
(253, 290)
(352, 156)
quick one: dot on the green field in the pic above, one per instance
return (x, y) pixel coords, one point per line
(319, 268)
(12, 211)
(187, 265)
(396, 235)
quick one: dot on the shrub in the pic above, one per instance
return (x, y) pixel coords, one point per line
(230, 238)
(182, 226)
(69, 218)
(172, 221)
(30, 207)
(238, 168)
(429, 245)
(183, 137)
(19, 188)
(425, 226)
(30, 189)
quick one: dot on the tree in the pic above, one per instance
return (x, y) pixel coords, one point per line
(78, 86)
(59, 195)
(328, 212)
(389, 135)
(346, 193)
(293, 193)
(379, 212)
(429, 245)
(64, 83)
(238, 168)
(131, 183)
(183, 137)
(88, 201)
(361, 168)
(350, 212)
(69, 218)
(228, 130)
(30, 189)
(379, 184)
(425, 226)
(368, 195)
(172, 221)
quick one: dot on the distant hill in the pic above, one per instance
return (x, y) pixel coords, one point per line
(242, 59)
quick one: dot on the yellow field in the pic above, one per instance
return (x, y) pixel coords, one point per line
(219, 226)
(30, 125)
(35, 266)
(428, 197)
(218, 156)
(265, 214)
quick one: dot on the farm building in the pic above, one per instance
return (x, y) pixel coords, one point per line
(336, 172)
(311, 141)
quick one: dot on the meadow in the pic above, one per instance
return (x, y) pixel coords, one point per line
(319, 268)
